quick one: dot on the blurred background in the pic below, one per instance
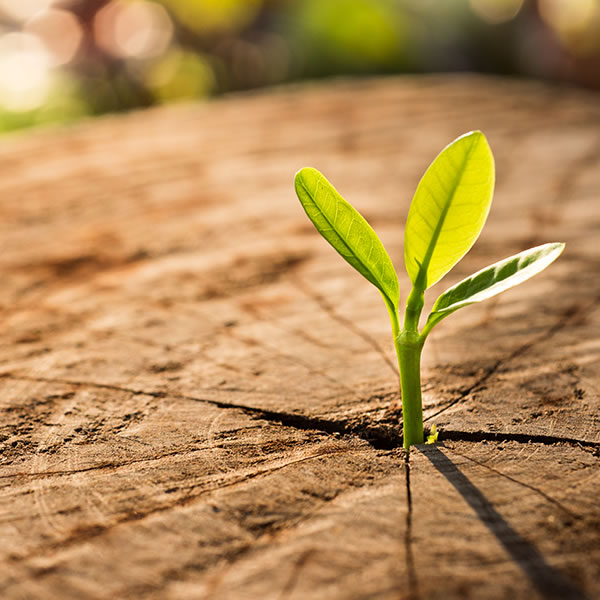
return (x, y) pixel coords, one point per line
(64, 59)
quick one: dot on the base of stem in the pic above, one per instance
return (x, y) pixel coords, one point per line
(409, 347)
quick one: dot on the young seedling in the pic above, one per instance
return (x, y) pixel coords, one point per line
(446, 216)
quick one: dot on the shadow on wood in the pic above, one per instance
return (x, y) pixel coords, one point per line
(548, 581)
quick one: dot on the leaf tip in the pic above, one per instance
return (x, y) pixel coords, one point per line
(479, 141)
(475, 136)
(475, 133)
(305, 179)
(306, 172)
(300, 174)
(555, 249)
(559, 248)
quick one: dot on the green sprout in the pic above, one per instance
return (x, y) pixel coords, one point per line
(433, 435)
(446, 216)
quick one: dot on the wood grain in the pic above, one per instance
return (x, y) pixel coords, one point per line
(199, 399)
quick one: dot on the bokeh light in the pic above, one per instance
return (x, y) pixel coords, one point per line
(496, 11)
(24, 72)
(60, 59)
(367, 33)
(181, 75)
(568, 16)
(204, 16)
(576, 22)
(60, 31)
(133, 29)
(21, 10)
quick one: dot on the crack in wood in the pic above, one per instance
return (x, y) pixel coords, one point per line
(295, 360)
(546, 497)
(521, 438)
(569, 315)
(548, 581)
(371, 434)
(75, 383)
(301, 333)
(267, 539)
(380, 438)
(303, 287)
(118, 303)
(413, 582)
(88, 533)
(112, 465)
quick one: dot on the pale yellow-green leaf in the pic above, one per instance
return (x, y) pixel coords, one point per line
(347, 231)
(449, 209)
(494, 279)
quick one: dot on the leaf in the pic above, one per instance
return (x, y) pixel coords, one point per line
(433, 435)
(494, 279)
(449, 209)
(347, 231)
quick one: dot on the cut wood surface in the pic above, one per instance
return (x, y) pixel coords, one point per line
(199, 398)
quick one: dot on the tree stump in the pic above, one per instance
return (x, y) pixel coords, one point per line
(200, 398)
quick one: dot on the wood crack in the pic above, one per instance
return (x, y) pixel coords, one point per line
(372, 434)
(522, 438)
(550, 583)
(375, 434)
(88, 533)
(568, 316)
(108, 465)
(290, 358)
(545, 496)
(413, 583)
(347, 323)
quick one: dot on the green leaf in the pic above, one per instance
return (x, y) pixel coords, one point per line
(433, 435)
(494, 279)
(347, 231)
(449, 209)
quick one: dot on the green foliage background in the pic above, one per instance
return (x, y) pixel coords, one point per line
(135, 53)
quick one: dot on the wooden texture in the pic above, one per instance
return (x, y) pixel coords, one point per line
(199, 398)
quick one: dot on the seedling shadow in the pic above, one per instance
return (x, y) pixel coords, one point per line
(551, 584)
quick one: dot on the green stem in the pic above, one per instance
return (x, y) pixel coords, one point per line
(409, 344)
(414, 306)
(408, 349)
